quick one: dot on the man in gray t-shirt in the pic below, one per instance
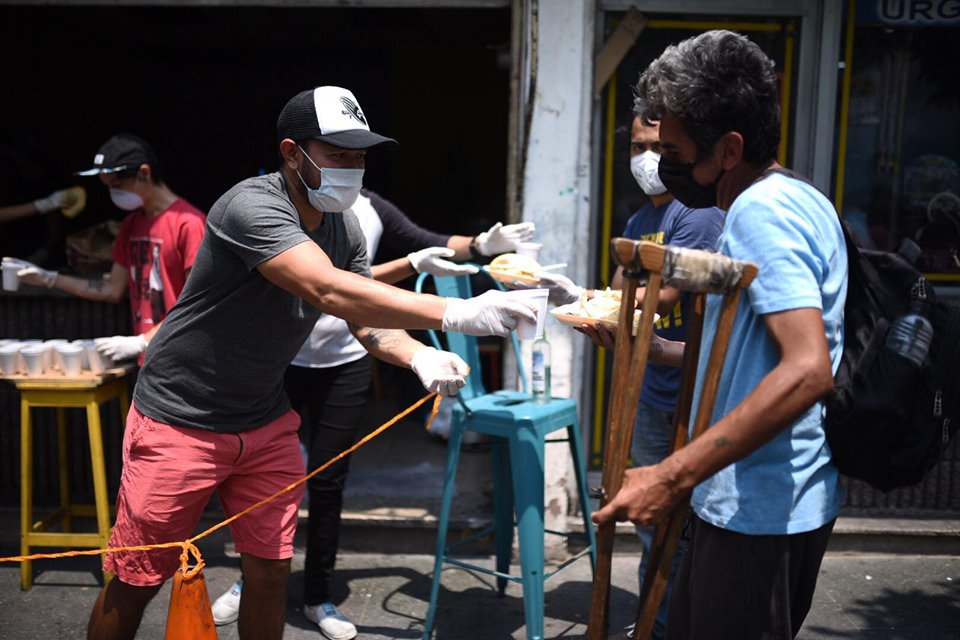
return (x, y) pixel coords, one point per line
(209, 413)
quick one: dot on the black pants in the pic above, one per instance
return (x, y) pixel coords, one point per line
(331, 401)
(744, 587)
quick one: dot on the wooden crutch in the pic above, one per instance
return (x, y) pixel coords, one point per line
(727, 277)
(629, 364)
(685, 269)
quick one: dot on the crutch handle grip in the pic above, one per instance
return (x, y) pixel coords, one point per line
(692, 270)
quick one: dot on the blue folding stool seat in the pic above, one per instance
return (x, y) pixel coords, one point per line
(519, 428)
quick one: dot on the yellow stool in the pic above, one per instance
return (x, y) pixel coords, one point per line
(63, 394)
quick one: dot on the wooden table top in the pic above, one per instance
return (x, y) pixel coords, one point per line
(57, 380)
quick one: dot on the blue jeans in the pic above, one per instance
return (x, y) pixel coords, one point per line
(652, 439)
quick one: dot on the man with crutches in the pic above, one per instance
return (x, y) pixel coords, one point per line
(765, 494)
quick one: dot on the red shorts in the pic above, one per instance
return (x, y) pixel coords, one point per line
(170, 473)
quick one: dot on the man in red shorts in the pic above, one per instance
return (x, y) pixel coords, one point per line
(209, 411)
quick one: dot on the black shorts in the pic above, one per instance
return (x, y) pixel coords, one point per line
(744, 587)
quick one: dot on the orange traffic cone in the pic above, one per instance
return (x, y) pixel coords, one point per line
(189, 616)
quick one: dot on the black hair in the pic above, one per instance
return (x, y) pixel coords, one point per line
(713, 83)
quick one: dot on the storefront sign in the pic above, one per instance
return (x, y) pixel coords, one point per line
(910, 13)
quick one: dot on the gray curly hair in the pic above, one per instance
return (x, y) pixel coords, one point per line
(716, 82)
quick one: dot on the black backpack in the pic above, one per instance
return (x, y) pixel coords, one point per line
(887, 420)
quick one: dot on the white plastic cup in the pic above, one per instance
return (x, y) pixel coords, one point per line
(10, 266)
(35, 342)
(54, 362)
(85, 361)
(530, 250)
(536, 298)
(96, 362)
(71, 358)
(34, 359)
(10, 361)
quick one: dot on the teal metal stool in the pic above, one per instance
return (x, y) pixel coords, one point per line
(520, 428)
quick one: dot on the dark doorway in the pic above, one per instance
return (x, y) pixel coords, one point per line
(205, 85)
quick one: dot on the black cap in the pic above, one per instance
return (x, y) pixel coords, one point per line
(329, 114)
(121, 152)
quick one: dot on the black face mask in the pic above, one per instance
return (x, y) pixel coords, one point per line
(677, 177)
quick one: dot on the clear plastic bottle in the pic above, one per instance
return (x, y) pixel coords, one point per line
(540, 372)
(910, 335)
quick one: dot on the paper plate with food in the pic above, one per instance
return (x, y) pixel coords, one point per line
(602, 308)
(511, 267)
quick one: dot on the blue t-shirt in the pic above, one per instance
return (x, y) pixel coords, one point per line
(792, 232)
(680, 226)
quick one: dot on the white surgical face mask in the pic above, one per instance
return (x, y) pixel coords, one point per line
(644, 170)
(338, 188)
(126, 200)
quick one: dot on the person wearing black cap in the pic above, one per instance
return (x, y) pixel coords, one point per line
(209, 412)
(154, 249)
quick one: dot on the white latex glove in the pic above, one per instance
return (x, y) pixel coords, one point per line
(440, 371)
(431, 260)
(493, 313)
(32, 274)
(504, 239)
(52, 202)
(562, 289)
(121, 347)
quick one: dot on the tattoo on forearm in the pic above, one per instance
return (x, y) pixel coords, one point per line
(385, 339)
(95, 285)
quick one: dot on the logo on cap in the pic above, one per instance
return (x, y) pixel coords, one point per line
(353, 110)
(98, 159)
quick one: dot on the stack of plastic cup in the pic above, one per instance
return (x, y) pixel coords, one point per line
(95, 361)
(71, 358)
(34, 358)
(53, 356)
(10, 361)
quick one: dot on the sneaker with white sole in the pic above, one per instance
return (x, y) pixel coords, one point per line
(333, 624)
(226, 608)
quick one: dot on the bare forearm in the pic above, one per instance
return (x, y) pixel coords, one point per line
(393, 346)
(393, 271)
(782, 396)
(98, 289)
(16, 211)
(368, 303)
(305, 270)
(461, 245)
(148, 335)
(666, 352)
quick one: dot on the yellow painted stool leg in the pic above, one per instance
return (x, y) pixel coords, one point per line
(101, 503)
(124, 401)
(26, 493)
(64, 460)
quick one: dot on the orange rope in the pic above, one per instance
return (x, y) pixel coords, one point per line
(188, 546)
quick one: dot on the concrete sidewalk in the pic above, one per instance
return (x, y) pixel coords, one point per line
(384, 572)
(858, 596)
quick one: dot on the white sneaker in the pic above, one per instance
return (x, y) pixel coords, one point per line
(226, 608)
(333, 624)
